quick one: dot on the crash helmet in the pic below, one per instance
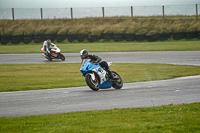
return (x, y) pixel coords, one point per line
(84, 54)
(48, 41)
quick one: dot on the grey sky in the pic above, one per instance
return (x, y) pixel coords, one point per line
(89, 3)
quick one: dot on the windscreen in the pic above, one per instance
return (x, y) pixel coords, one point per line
(84, 60)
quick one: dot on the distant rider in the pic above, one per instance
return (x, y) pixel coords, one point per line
(95, 59)
(47, 48)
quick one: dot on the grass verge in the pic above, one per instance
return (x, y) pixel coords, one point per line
(181, 45)
(21, 77)
(101, 25)
(184, 118)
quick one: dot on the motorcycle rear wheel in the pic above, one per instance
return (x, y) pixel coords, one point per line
(93, 84)
(118, 83)
(50, 59)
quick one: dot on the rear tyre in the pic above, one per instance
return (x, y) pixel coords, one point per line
(50, 59)
(93, 84)
(117, 83)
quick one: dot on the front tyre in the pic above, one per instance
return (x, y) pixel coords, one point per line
(62, 57)
(117, 83)
(93, 84)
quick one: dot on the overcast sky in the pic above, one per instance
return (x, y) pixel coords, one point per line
(89, 3)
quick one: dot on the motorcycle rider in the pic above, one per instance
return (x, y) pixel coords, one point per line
(47, 48)
(95, 59)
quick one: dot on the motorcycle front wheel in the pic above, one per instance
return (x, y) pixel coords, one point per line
(62, 57)
(93, 84)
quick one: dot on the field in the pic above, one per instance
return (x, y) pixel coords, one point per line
(182, 118)
(147, 25)
(22, 77)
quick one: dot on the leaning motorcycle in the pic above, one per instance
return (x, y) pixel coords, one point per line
(55, 54)
(97, 78)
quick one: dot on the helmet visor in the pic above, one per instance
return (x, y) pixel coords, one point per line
(82, 56)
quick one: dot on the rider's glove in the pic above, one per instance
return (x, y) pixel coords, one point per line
(95, 62)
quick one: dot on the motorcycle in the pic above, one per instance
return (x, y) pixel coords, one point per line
(97, 78)
(55, 54)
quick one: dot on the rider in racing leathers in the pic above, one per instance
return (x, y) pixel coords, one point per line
(84, 55)
(47, 48)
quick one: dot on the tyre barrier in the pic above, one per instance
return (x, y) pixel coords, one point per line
(107, 36)
(198, 34)
(191, 34)
(51, 36)
(72, 37)
(130, 36)
(6, 38)
(119, 37)
(152, 37)
(61, 37)
(16, 39)
(82, 37)
(164, 36)
(140, 37)
(94, 38)
(28, 38)
(178, 35)
(39, 37)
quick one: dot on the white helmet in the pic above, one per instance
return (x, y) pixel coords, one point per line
(84, 54)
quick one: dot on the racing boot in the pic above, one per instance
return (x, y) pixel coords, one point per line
(44, 55)
(48, 56)
(110, 75)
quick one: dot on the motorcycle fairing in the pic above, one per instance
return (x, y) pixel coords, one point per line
(88, 66)
(106, 84)
(42, 50)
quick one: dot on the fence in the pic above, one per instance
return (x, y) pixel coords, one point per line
(70, 13)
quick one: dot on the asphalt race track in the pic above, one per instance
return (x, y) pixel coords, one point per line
(169, 57)
(142, 94)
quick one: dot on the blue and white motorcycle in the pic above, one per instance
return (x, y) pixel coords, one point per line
(97, 78)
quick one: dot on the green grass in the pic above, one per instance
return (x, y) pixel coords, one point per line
(181, 45)
(21, 77)
(184, 118)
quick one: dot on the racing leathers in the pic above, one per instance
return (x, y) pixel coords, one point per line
(47, 48)
(104, 64)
